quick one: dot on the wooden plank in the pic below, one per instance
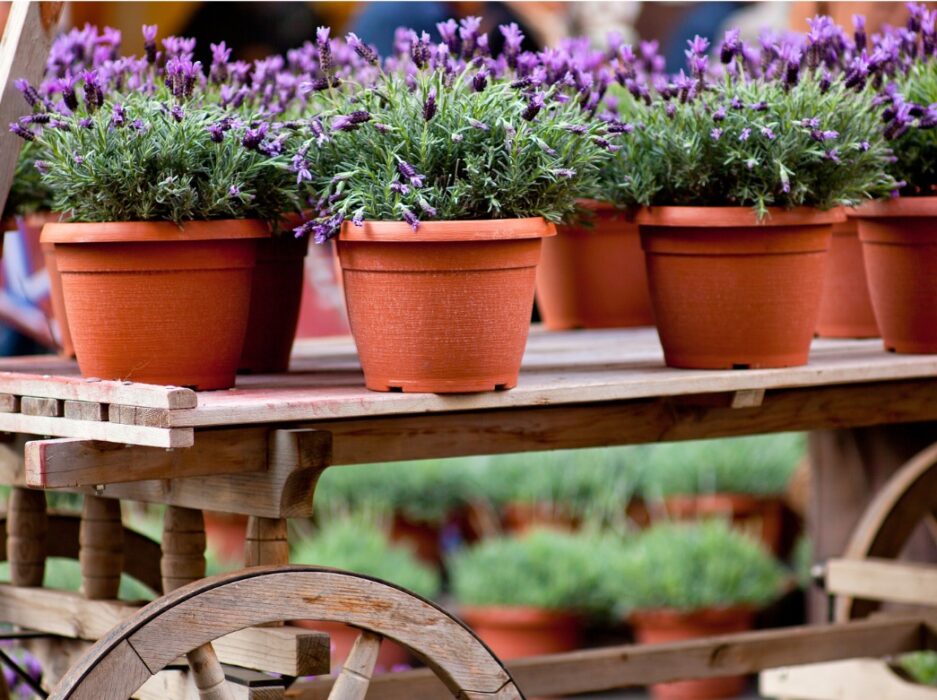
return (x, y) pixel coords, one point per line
(355, 677)
(70, 462)
(288, 650)
(9, 403)
(610, 668)
(24, 48)
(139, 415)
(853, 679)
(39, 406)
(883, 579)
(177, 684)
(25, 383)
(91, 430)
(748, 398)
(85, 410)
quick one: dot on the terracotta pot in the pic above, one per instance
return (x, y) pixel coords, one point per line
(518, 517)
(226, 534)
(899, 243)
(276, 293)
(421, 537)
(158, 303)
(593, 275)
(732, 292)
(758, 516)
(513, 632)
(660, 626)
(341, 638)
(845, 305)
(446, 309)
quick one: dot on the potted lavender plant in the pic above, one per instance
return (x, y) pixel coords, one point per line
(166, 189)
(449, 170)
(740, 178)
(899, 243)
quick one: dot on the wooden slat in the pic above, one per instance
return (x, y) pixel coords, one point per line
(854, 679)
(177, 684)
(85, 410)
(9, 403)
(882, 579)
(91, 430)
(70, 462)
(139, 415)
(24, 48)
(24, 383)
(287, 650)
(39, 406)
(610, 668)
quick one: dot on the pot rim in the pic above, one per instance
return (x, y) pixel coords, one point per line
(903, 207)
(735, 217)
(153, 231)
(461, 230)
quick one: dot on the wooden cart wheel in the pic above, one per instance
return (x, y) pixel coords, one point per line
(141, 554)
(907, 500)
(193, 615)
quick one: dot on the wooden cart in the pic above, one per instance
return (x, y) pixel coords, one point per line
(260, 448)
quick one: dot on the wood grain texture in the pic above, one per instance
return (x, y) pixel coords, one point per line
(27, 537)
(177, 684)
(56, 378)
(266, 543)
(85, 410)
(24, 48)
(9, 403)
(608, 668)
(39, 406)
(853, 679)
(96, 430)
(882, 579)
(71, 462)
(101, 548)
(355, 677)
(196, 614)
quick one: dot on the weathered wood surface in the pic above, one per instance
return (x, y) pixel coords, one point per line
(24, 48)
(622, 666)
(177, 684)
(355, 677)
(101, 548)
(854, 679)
(27, 537)
(883, 579)
(195, 614)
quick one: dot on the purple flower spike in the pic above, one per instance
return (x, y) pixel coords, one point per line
(715, 134)
(253, 137)
(411, 219)
(94, 96)
(859, 36)
(362, 49)
(66, 86)
(29, 92)
(420, 51)
(449, 32)
(533, 106)
(220, 55)
(22, 132)
(746, 133)
(149, 42)
(324, 44)
(719, 115)
(216, 132)
(481, 126)
(480, 80)
(513, 39)
(767, 132)
(731, 45)
(468, 33)
(118, 115)
(409, 172)
(429, 105)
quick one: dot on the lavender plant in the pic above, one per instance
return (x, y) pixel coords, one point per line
(448, 132)
(28, 193)
(778, 130)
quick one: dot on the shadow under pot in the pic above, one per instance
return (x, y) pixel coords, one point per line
(155, 302)
(276, 294)
(445, 309)
(592, 274)
(899, 244)
(731, 291)
(846, 306)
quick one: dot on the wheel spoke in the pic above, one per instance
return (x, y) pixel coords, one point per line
(353, 681)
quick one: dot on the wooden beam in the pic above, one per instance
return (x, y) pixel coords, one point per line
(854, 679)
(610, 668)
(177, 683)
(96, 430)
(72, 462)
(883, 579)
(24, 48)
(292, 651)
(97, 390)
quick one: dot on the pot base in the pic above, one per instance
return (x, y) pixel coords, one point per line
(684, 360)
(441, 386)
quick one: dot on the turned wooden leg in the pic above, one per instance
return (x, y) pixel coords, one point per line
(183, 562)
(266, 544)
(101, 548)
(27, 531)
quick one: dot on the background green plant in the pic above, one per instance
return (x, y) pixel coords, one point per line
(916, 149)
(28, 193)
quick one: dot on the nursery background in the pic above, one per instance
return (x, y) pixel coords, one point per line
(583, 545)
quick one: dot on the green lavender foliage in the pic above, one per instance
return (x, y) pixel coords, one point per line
(544, 569)
(677, 160)
(921, 666)
(357, 545)
(28, 193)
(760, 465)
(916, 150)
(516, 168)
(690, 566)
(168, 170)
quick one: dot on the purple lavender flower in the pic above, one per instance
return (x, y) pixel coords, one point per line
(617, 127)
(533, 106)
(66, 85)
(858, 33)
(736, 103)
(513, 39)
(85, 123)
(420, 52)
(864, 146)
(833, 155)
(220, 55)
(671, 109)
(358, 218)
(449, 32)
(324, 45)
(409, 172)
(826, 80)
(768, 133)
(315, 125)
(571, 128)
(480, 80)
(382, 128)
(684, 86)
(234, 192)
(118, 115)
(410, 218)
(746, 132)
(29, 92)
(429, 105)
(149, 42)
(928, 120)
(350, 122)
(215, 132)
(697, 59)
(719, 115)
(716, 134)
(399, 187)
(731, 45)
(916, 12)
(41, 166)
(362, 49)
(758, 106)
(468, 33)
(94, 96)
(253, 137)
(426, 207)
(475, 124)
(22, 132)
(564, 173)
(177, 113)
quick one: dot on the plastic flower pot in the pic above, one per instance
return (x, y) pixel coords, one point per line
(899, 243)
(732, 292)
(157, 303)
(593, 275)
(421, 537)
(513, 632)
(445, 309)
(660, 626)
(276, 293)
(519, 517)
(226, 535)
(759, 516)
(845, 305)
